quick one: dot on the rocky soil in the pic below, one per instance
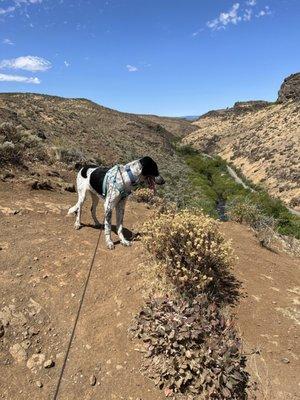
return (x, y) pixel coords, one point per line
(44, 262)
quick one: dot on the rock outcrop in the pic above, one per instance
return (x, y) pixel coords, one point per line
(290, 89)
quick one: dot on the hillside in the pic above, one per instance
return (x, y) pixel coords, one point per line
(179, 127)
(44, 137)
(259, 138)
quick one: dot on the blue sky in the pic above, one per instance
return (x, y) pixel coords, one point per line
(166, 57)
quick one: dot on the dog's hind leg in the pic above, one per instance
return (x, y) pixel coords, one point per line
(81, 197)
(120, 209)
(95, 201)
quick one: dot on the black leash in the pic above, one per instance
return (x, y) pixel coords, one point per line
(76, 320)
(79, 308)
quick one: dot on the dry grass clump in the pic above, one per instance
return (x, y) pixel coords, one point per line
(18, 145)
(192, 349)
(189, 250)
(144, 195)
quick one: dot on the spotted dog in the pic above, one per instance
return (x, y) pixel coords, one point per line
(114, 186)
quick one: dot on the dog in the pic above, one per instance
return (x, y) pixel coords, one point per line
(113, 185)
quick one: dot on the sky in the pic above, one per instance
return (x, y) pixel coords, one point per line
(164, 57)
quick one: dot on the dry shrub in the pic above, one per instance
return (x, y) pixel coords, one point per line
(143, 195)
(191, 348)
(245, 212)
(190, 252)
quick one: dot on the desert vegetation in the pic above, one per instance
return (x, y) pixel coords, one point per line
(259, 138)
(254, 207)
(192, 347)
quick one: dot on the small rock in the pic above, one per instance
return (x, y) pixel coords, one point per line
(119, 367)
(33, 331)
(39, 384)
(35, 259)
(45, 276)
(93, 380)
(18, 275)
(26, 344)
(49, 363)
(35, 361)
(285, 360)
(18, 353)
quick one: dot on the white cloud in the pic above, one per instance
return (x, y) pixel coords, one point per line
(27, 63)
(247, 15)
(16, 5)
(18, 78)
(236, 14)
(67, 64)
(263, 13)
(132, 68)
(225, 18)
(8, 42)
(7, 10)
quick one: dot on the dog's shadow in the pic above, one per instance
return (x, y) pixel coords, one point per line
(128, 234)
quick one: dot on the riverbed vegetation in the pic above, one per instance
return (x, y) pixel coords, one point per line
(221, 197)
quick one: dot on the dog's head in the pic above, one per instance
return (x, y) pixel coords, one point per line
(150, 172)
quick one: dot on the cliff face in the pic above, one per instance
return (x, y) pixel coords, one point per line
(262, 139)
(290, 89)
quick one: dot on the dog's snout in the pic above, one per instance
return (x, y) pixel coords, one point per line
(159, 180)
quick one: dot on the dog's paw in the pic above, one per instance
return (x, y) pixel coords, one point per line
(126, 243)
(110, 245)
(77, 226)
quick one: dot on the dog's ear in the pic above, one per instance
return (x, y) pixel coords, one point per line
(149, 167)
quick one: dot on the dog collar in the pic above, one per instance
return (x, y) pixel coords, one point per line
(131, 176)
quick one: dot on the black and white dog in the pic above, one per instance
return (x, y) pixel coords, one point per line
(113, 185)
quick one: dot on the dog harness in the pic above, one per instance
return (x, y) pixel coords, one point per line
(111, 177)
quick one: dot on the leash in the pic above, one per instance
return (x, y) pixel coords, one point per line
(79, 308)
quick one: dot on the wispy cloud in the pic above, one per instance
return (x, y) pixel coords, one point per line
(67, 64)
(264, 12)
(131, 68)
(236, 14)
(225, 18)
(26, 63)
(8, 42)
(18, 78)
(17, 4)
(7, 10)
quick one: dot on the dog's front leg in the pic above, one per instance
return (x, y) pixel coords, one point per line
(120, 209)
(108, 208)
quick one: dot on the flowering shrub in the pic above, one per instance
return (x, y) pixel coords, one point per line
(144, 195)
(189, 249)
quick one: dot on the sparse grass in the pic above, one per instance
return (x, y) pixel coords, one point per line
(18, 145)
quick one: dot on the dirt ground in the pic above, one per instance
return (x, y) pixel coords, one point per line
(268, 314)
(44, 262)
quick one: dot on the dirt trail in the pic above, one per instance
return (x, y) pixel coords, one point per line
(268, 314)
(44, 262)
